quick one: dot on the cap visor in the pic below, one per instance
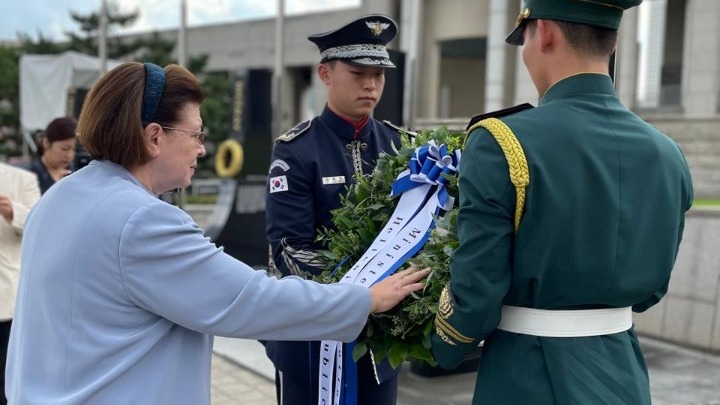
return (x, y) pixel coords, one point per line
(516, 37)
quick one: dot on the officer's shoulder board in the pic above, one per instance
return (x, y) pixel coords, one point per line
(400, 130)
(499, 113)
(296, 131)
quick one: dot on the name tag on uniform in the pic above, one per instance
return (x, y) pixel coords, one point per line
(333, 180)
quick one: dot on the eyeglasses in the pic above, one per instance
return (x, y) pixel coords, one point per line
(198, 135)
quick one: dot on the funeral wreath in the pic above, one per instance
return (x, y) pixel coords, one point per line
(404, 332)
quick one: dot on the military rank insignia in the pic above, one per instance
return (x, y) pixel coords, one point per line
(443, 328)
(296, 131)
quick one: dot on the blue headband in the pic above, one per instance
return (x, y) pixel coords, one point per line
(154, 85)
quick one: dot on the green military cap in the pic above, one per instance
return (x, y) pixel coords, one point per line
(599, 13)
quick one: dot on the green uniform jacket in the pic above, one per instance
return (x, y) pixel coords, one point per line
(604, 216)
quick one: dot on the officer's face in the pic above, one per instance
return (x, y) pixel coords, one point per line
(353, 92)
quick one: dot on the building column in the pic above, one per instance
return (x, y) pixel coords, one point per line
(701, 73)
(626, 63)
(411, 40)
(428, 73)
(500, 56)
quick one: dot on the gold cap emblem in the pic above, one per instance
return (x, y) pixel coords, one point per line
(523, 15)
(377, 27)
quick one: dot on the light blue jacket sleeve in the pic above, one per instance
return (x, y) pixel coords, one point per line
(169, 268)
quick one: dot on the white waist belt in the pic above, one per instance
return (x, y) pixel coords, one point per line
(565, 323)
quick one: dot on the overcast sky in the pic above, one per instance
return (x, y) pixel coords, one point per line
(52, 17)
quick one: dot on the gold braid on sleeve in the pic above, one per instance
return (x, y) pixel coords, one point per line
(444, 329)
(519, 172)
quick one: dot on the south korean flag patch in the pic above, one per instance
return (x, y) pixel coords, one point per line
(278, 184)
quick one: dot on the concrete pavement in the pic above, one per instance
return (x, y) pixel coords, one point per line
(234, 384)
(242, 375)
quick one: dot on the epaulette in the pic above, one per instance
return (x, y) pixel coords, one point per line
(399, 129)
(296, 131)
(499, 113)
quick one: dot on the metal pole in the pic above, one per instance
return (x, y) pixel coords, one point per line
(278, 71)
(102, 37)
(414, 53)
(182, 61)
(182, 34)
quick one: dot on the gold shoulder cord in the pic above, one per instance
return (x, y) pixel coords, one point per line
(519, 172)
(520, 178)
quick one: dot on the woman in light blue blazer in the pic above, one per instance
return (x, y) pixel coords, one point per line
(120, 293)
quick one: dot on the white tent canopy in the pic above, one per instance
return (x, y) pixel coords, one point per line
(45, 81)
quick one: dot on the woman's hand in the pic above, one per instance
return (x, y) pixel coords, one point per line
(6, 208)
(393, 289)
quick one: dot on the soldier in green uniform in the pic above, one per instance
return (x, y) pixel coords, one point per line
(570, 219)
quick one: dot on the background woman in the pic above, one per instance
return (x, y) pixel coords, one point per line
(56, 152)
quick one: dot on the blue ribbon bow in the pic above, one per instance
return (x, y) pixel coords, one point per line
(430, 164)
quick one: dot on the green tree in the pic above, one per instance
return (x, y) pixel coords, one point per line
(9, 88)
(9, 115)
(158, 50)
(41, 46)
(196, 64)
(86, 41)
(155, 49)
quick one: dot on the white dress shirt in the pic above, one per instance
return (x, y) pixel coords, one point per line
(21, 187)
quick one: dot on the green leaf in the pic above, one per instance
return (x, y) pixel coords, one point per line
(366, 235)
(398, 354)
(419, 352)
(381, 352)
(428, 329)
(369, 329)
(359, 350)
